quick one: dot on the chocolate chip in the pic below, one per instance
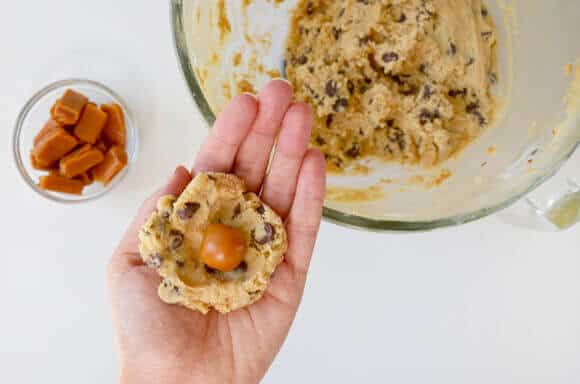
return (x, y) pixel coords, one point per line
(423, 69)
(486, 35)
(426, 116)
(452, 49)
(210, 270)
(340, 105)
(269, 234)
(243, 267)
(472, 107)
(331, 88)
(457, 92)
(175, 239)
(180, 263)
(390, 123)
(310, 8)
(484, 12)
(336, 33)
(402, 18)
(212, 178)
(237, 211)
(428, 91)
(389, 57)
(176, 289)
(155, 261)
(302, 59)
(341, 12)
(354, 151)
(311, 69)
(363, 40)
(320, 140)
(350, 86)
(188, 210)
(329, 119)
(260, 209)
(470, 61)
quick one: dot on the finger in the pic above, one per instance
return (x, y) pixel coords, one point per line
(254, 153)
(232, 126)
(280, 184)
(287, 285)
(129, 246)
(304, 219)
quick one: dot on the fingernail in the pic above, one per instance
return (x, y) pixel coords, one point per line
(284, 80)
(250, 94)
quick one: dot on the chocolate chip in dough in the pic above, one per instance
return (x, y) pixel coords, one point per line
(340, 105)
(402, 18)
(354, 151)
(390, 57)
(486, 35)
(180, 263)
(457, 92)
(260, 209)
(484, 12)
(470, 61)
(302, 59)
(243, 267)
(310, 8)
(269, 234)
(237, 211)
(188, 210)
(452, 49)
(175, 239)
(350, 86)
(428, 91)
(331, 88)
(210, 270)
(336, 33)
(320, 141)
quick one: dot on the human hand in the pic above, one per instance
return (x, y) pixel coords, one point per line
(160, 343)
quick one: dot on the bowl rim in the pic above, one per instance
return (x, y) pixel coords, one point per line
(332, 215)
(36, 98)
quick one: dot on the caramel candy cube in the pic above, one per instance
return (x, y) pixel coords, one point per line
(86, 178)
(51, 145)
(50, 126)
(115, 130)
(91, 124)
(57, 183)
(102, 146)
(115, 160)
(68, 108)
(80, 161)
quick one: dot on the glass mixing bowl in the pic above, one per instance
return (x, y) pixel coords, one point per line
(536, 133)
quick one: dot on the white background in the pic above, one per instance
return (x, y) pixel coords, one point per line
(484, 303)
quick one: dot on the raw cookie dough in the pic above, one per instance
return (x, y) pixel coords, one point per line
(400, 80)
(171, 240)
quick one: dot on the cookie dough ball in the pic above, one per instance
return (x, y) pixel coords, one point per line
(171, 242)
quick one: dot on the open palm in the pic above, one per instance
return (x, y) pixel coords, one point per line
(160, 343)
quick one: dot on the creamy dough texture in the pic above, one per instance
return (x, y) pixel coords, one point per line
(171, 239)
(400, 80)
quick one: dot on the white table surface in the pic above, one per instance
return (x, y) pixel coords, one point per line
(484, 303)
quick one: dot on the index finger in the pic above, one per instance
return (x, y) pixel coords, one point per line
(230, 129)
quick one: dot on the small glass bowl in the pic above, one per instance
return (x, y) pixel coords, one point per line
(34, 115)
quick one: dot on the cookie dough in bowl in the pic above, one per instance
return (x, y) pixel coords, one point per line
(172, 239)
(399, 80)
